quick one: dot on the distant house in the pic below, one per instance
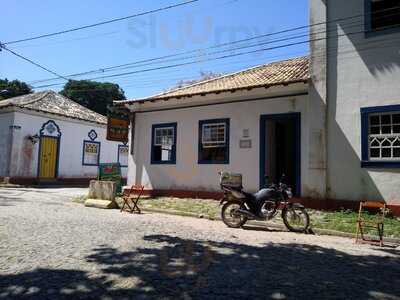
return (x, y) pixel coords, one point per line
(46, 137)
(255, 122)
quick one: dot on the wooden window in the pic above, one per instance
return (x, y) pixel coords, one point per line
(123, 152)
(381, 136)
(214, 141)
(382, 16)
(91, 153)
(163, 147)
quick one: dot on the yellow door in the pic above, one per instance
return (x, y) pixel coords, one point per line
(48, 157)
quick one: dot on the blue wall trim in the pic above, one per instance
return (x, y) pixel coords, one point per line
(83, 153)
(92, 133)
(262, 155)
(227, 141)
(119, 147)
(173, 154)
(369, 32)
(58, 138)
(365, 162)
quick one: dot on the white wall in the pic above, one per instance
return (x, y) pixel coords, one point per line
(71, 146)
(6, 120)
(187, 173)
(362, 72)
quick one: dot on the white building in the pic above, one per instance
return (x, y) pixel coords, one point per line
(45, 137)
(330, 122)
(256, 122)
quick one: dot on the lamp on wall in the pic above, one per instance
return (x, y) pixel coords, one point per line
(33, 138)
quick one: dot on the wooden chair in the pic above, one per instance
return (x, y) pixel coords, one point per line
(131, 198)
(377, 223)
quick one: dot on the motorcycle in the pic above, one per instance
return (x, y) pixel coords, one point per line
(239, 206)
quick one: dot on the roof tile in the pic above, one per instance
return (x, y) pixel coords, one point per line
(54, 103)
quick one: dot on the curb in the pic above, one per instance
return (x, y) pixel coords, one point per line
(317, 231)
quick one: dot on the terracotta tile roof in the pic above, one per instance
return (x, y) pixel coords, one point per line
(276, 73)
(54, 103)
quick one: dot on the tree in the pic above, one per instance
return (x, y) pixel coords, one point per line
(96, 96)
(14, 88)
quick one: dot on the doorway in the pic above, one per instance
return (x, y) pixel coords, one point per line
(48, 157)
(280, 150)
(49, 151)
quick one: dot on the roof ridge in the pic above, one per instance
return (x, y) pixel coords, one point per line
(221, 77)
(76, 103)
(45, 93)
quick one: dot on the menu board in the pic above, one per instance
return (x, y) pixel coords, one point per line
(111, 172)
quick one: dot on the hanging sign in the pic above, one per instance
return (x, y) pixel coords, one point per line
(117, 130)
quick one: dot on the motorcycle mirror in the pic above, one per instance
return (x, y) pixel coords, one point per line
(283, 178)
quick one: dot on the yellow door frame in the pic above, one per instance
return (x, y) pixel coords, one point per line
(48, 157)
(49, 144)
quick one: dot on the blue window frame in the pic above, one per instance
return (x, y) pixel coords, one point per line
(214, 141)
(91, 153)
(123, 154)
(163, 143)
(380, 136)
(381, 17)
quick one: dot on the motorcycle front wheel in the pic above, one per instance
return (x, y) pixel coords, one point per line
(230, 216)
(296, 219)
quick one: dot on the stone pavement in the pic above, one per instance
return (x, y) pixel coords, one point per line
(51, 248)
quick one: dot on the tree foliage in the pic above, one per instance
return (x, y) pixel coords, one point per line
(14, 88)
(96, 96)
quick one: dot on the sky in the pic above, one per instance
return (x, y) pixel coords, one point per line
(197, 25)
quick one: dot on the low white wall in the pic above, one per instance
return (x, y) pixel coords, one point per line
(187, 173)
(73, 132)
(6, 120)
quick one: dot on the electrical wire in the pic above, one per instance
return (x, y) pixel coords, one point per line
(32, 62)
(202, 53)
(101, 23)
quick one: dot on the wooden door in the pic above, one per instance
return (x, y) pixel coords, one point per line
(48, 157)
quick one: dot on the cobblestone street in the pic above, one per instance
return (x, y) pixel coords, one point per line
(52, 248)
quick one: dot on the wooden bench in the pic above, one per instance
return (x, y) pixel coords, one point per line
(377, 223)
(131, 199)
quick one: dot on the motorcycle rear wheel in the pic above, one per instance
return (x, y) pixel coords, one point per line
(296, 219)
(229, 217)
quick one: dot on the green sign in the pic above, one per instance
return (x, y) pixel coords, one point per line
(111, 172)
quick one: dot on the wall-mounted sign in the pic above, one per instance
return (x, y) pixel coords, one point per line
(245, 143)
(117, 130)
(246, 133)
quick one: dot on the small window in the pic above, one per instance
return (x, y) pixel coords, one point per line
(381, 135)
(123, 155)
(214, 141)
(91, 153)
(382, 15)
(163, 148)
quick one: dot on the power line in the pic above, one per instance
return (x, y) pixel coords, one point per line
(32, 62)
(328, 52)
(215, 58)
(205, 60)
(200, 50)
(102, 23)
